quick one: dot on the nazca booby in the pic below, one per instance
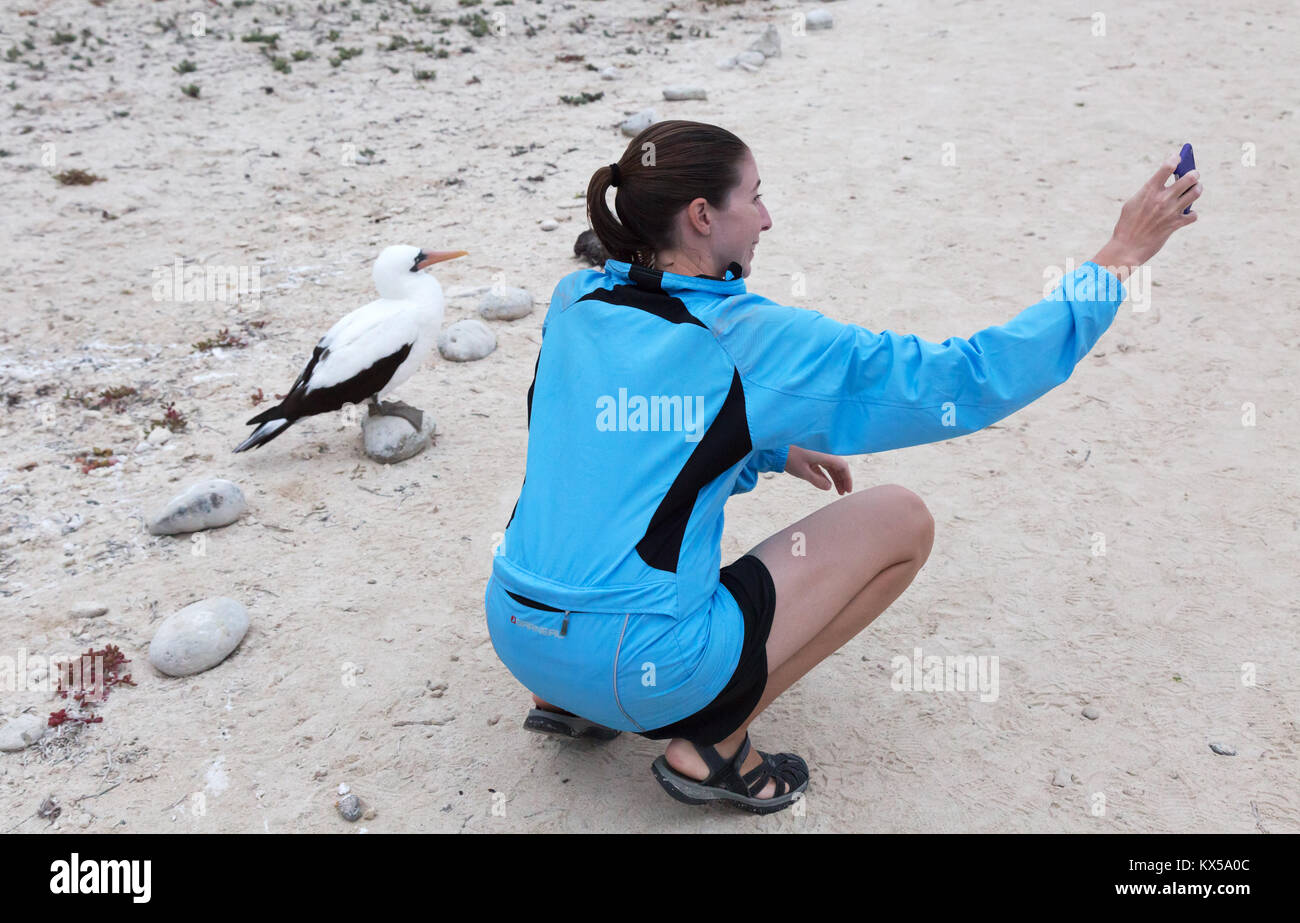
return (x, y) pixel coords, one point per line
(370, 351)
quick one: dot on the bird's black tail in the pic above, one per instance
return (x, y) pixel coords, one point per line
(268, 430)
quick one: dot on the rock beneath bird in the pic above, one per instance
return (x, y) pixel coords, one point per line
(819, 19)
(389, 439)
(504, 302)
(638, 123)
(198, 637)
(768, 44)
(23, 731)
(589, 248)
(750, 60)
(208, 504)
(466, 340)
(684, 92)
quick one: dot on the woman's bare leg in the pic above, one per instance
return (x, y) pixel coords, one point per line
(835, 570)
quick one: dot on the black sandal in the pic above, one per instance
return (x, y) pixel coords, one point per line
(725, 782)
(566, 724)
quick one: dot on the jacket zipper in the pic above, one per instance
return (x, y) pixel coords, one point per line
(618, 701)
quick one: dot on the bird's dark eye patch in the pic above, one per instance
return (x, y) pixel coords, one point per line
(419, 258)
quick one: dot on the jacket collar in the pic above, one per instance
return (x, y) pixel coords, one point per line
(657, 279)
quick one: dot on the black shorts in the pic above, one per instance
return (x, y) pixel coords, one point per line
(748, 580)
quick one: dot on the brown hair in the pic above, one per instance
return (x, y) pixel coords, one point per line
(662, 170)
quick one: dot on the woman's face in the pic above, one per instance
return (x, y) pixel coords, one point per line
(740, 223)
(714, 237)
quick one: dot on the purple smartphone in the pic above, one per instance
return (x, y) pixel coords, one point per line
(1186, 162)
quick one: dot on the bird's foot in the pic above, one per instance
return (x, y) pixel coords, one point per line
(412, 415)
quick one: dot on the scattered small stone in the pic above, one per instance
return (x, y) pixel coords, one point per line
(390, 439)
(23, 731)
(638, 123)
(369, 815)
(819, 19)
(1223, 749)
(198, 637)
(84, 821)
(1061, 779)
(343, 788)
(159, 436)
(768, 44)
(208, 504)
(1091, 713)
(503, 302)
(750, 60)
(726, 64)
(548, 224)
(684, 92)
(609, 73)
(466, 340)
(88, 610)
(350, 807)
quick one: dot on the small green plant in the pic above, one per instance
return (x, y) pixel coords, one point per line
(581, 100)
(343, 55)
(425, 75)
(172, 419)
(476, 24)
(77, 178)
(262, 37)
(302, 55)
(191, 90)
(222, 339)
(64, 38)
(185, 67)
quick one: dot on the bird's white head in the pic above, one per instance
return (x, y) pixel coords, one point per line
(397, 270)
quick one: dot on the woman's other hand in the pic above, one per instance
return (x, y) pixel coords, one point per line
(814, 467)
(1148, 219)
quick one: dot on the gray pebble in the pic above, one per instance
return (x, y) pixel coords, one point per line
(768, 44)
(159, 436)
(683, 92)
(503, 302)
(198, 637)
(750, 60)
(1091, 713)
(22, 732)
(89, 610)
(1223, 749)
(726, 64)
(638, 123)
(466, 340)
(1061, 779)
(206, 505)
(350, 807)
(609, 73)
(819, 19)
(390, 439)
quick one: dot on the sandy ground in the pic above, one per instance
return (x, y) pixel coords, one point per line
(345, 564)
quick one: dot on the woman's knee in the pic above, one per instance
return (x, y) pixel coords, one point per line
(910, 518)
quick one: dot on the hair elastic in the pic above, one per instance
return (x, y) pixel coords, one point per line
(614, 173)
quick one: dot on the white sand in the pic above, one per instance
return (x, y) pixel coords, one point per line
(1053, 128)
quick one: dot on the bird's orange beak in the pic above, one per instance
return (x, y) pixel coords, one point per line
(437, 256)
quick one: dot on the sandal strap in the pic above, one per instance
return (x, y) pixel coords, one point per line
(783, 770)
(723, 771)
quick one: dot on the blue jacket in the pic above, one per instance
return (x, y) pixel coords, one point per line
(657, 396)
